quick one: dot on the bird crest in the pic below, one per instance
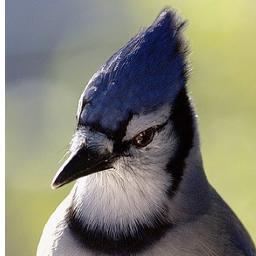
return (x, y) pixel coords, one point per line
(144, 74)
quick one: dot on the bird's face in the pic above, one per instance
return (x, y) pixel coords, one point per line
(144, 145)
(149, 141)
(134, 116)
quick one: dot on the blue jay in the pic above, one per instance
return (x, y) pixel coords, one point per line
(140, 185)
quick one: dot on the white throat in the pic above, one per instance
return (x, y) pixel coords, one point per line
(135, 190)
(119, 198)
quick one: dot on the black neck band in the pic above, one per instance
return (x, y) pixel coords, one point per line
(130, 243)
(182, 117)
(123, 244)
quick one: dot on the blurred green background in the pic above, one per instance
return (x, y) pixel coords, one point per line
(53, 48)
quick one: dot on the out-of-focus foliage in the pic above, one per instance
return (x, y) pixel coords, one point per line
(46, 72)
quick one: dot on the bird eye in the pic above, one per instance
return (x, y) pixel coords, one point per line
(144, 138)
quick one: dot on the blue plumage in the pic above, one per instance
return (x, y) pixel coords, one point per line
(141, 186)
(146, 73)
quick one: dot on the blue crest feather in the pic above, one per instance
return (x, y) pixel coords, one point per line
(144, 74)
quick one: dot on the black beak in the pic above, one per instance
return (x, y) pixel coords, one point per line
(81, 163)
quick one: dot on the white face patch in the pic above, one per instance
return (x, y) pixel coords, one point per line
(140, 123)
(133, 191)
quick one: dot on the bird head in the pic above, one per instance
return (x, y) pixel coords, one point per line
(134, 114)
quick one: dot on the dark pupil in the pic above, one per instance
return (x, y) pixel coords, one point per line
(144, 138)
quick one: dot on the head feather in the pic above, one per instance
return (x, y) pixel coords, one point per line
(144, 74)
